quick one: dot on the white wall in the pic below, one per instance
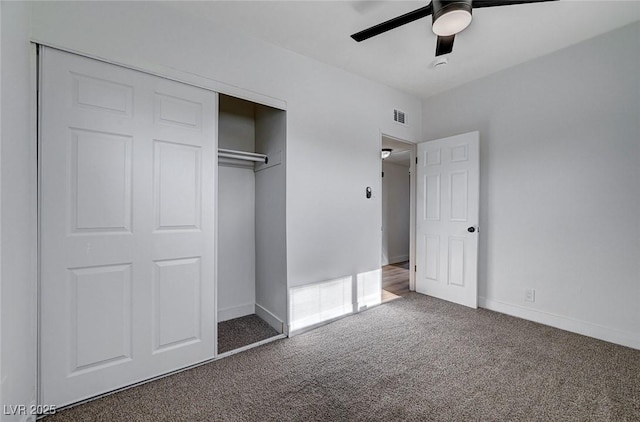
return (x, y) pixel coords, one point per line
(236, 124)
(236, 213)
(18, 219)
(396, 197)
(560, 191)
(271, 211)
(236, 242)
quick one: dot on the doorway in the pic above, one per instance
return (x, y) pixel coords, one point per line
(397, 184)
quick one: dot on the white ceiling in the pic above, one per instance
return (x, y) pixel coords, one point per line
(498, 37)
(401, 158)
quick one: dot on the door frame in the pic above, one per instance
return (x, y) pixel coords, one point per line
(412, 205)
(160, 71)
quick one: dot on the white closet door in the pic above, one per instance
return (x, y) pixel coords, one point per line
(127, 226)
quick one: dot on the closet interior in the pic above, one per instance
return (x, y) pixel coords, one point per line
(251, 262)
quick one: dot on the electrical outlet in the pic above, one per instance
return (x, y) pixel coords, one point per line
(530, 295)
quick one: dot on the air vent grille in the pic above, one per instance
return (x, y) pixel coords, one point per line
(400, 117)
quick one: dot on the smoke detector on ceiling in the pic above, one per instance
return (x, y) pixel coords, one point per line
(439, 62)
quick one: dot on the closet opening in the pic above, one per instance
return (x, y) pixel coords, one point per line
(251, 257)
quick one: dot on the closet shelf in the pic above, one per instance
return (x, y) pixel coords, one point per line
(242, 155)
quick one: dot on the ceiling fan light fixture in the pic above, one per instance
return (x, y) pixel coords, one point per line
(450, 17)
(386, 152)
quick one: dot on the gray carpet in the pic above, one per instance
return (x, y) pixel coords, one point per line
(413, 359)
(243, 331)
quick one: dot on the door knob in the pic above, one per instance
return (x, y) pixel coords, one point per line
(471, 229)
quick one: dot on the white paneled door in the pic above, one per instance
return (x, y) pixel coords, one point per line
(126, 226)
(447, 219)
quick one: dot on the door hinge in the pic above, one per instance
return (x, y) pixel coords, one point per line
(416, 160)
(415, 268)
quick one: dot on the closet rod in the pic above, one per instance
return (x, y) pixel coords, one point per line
(242, 155)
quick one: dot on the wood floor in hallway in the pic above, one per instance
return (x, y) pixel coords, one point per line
(395, 281)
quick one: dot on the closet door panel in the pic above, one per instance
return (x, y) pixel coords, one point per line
(127, 226)
(177, 177)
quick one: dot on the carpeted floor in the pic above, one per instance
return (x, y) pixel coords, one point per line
(243, 331)
(413, 359)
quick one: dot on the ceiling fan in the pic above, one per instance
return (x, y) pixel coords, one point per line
(449, 18)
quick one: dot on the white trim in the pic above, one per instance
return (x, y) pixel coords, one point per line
(36, 81)
(331, 320)
(340, 311)
(413, 169)
(1, 283)
(216, 166)
(252, 345)
(322, 323)
(231, 312)
(176, 75)
(589, 329)
(367, 302)
(270, 319)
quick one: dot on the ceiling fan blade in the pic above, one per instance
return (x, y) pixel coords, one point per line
(444, 45)
(392, 23)
(493, 3)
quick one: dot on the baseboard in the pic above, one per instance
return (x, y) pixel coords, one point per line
(312, 327)
(368, 302)
(236, 312)
(397, 259)
(589, 329)
(251, 346)
(271, 319)
(315, 321)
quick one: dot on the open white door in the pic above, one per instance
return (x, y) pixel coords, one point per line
(126, 226)
(447, 219)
